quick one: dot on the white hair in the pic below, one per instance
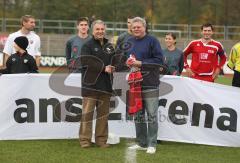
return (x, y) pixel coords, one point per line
(141, 20)
(98, 22)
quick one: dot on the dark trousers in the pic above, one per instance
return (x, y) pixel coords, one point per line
(236, 79)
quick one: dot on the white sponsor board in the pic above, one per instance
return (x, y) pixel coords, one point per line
(190, 111)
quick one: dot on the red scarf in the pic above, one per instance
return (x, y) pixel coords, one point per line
(135, 92)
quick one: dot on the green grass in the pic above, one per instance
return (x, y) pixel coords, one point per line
(227, 80)
(51, 151)
(57, 151)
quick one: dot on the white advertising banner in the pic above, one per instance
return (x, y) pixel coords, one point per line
(48, 106)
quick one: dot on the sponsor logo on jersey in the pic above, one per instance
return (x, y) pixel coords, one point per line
(211, 51)
(75, 49)
(108, 50)
(203, 56)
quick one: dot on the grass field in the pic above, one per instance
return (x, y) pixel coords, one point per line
(227, 80)
(69, 151)
(62, 151)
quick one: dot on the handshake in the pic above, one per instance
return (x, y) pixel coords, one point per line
(109, 69)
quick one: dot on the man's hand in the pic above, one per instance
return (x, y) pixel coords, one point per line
(37, 59)
(5, 58)
(137, 63)
(133, 63)
(189, 72)
(109, 69)
(216, 73)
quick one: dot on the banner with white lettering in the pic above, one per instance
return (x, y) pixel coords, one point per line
(52, 61)
(48, 106)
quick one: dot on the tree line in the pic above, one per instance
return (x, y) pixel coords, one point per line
(218, 12)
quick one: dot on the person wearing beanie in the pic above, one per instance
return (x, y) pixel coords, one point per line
(21, 42)
(21, 61)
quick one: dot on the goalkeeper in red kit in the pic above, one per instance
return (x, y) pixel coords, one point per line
(208, 56)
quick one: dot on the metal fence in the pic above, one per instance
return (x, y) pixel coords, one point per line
(55, 33)
(54, 44)
(114, 28)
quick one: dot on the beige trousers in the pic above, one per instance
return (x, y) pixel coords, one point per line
(102, 103)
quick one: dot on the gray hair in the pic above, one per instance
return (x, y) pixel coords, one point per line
(141, 20)
(98, 22)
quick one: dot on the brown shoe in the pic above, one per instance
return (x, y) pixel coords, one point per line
(85, 145)
(103, 145)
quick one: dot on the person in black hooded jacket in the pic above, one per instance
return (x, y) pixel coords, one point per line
(21, 61)
(97, 69)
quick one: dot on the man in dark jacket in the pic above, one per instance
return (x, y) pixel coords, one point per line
(96, 56)
(21, 61)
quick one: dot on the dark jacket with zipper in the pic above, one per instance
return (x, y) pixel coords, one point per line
(20, 63)
(94, 58)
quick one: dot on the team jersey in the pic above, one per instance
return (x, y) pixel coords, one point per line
(234, 58)
(204, 56)
(34, 43)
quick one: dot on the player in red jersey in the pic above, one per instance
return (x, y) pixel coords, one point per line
(205, 52)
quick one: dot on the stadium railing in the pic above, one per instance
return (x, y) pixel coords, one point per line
(69, 27)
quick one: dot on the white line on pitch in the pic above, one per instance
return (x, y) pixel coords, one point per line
(130, 155)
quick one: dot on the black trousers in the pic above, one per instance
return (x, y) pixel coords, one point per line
(236, 79)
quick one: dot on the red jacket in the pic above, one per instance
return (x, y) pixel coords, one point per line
(204, 56)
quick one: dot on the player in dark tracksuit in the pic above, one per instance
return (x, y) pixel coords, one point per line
(21, 61)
